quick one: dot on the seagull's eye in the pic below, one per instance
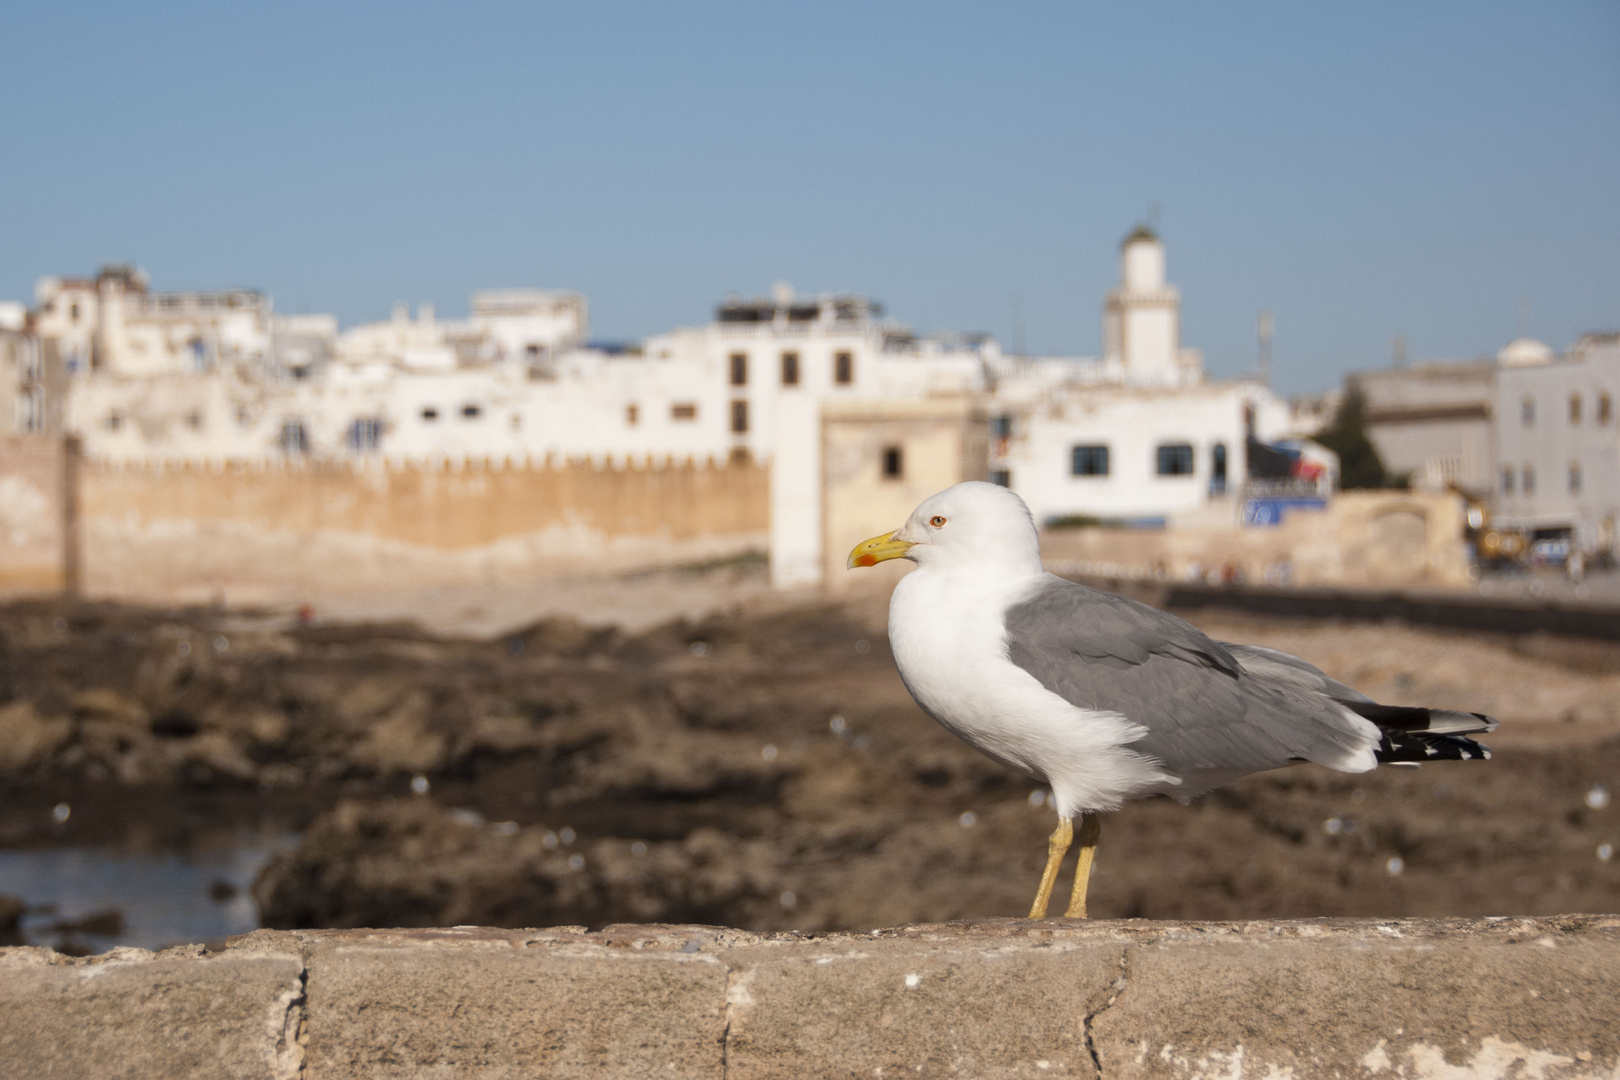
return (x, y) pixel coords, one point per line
(937, 522)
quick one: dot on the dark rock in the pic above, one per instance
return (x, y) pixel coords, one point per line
(108, 922)
(12, 910)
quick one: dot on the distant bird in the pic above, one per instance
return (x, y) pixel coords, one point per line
(1105, 699)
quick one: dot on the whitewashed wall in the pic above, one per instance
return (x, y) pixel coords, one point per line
(1132, 423)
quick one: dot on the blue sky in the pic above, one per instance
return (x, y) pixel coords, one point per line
(1361, 170)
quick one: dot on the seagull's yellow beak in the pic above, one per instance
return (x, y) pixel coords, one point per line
(878, 549)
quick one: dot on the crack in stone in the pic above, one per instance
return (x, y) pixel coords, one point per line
(725, 1034)
(292, 1033)
(1119, 988)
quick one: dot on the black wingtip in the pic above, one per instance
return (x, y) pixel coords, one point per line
(1399, 747)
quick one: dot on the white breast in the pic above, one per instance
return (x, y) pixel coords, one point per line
(949, 642)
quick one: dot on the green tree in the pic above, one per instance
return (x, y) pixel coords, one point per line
(1359, 464)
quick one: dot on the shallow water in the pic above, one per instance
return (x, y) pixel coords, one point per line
(165, 897)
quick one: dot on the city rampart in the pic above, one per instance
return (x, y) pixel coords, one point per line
(1348, 998)
(1363, 539)
(256, 533)
(38, 506)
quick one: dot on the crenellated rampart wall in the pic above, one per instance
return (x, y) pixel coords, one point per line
(255, 533)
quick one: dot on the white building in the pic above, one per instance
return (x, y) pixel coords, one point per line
(514, 380)
(1134, 453)
(113, 324)
(489, 388)
(26, 401)
(1142, 319)
(1138, 435)
(1432, 422)
(529, 325)
(759, 355)
(1557, 443)
(521, 327)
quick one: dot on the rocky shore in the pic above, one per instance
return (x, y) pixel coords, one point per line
(759, 769)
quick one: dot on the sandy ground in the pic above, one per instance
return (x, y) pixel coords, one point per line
(632, 602)
(637, 601)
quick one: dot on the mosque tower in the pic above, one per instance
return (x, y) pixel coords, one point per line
(1142, 318)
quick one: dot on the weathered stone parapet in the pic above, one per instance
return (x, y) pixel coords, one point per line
(1532, 998)
(132, 1013)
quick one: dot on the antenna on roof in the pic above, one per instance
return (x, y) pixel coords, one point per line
(1524, 317)
(1018, 325)
(1264, 325)
(1398, 350)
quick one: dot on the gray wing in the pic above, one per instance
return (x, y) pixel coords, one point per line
(1205, 704)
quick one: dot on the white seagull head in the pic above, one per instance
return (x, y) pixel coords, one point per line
(977, 528)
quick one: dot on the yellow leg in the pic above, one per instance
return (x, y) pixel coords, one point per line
(1090, 833)
(1056, 848)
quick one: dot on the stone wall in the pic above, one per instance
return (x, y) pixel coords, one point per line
(1489, 998)
(938, 442)
(37, 506)
(1364, 539)
(250, 534)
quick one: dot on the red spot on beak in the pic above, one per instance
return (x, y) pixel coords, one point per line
(866, 560)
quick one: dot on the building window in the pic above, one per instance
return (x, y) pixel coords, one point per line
(1574, 478)
(631, 415)
(365, 433)
(33, 362)
(471, 412)
(1089, 461)
(429, 414)
(1217, 469)
(1001, 427)
(1507, 480)
(684, 410)
(1001, 477)
(1529, 475)
(1605, 408)
(739, 417)
(1527, 411)
(1575, 408)
(294, 439)
(115, 420)
(893, 463)
(790, 369)
(1175, 459)
(739, 369)
(194, 420)
(739, 455)
(844, 368)
(32, 406)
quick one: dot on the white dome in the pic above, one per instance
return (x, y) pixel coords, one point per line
(1524, 352)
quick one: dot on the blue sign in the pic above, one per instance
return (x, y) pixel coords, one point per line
(1268, 513)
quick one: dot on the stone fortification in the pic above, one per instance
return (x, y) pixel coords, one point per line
(1491, 998)
(284, 533)
(38, 508)
(1363, 539)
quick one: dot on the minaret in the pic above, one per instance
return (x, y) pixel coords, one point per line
(1142, 318)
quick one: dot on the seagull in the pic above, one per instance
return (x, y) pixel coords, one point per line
(1104, 699)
